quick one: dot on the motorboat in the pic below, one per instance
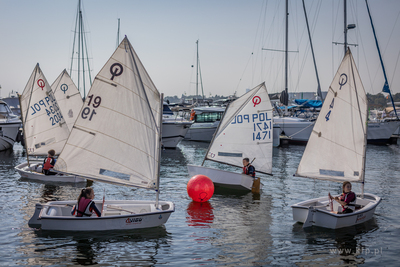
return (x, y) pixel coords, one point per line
(9, 126)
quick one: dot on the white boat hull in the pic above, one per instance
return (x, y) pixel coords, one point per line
(34, 172)
(117, 215)
(202, 132)
(379, 132)
(8, 133)
(299, 130)
(173, 132)
(317, 212)
(223, 178)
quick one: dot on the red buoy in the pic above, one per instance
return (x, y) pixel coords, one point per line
(200, 188)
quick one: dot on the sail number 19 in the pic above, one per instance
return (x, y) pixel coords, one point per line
(89, 112)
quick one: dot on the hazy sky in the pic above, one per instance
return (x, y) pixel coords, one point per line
(231, 35)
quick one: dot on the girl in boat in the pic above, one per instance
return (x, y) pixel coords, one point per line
(86, 205)
(346, 198)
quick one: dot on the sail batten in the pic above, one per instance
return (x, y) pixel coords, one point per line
(120, 110)
(245, 131)
(333, 150)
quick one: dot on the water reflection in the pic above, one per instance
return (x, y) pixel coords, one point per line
(200, 214)
(339, 246)
(131, 248)
(244, 221)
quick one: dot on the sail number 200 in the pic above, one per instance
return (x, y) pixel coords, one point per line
(87, 110)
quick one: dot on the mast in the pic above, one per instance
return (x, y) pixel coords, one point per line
(117, 36)
(82, 51)
(159, 150)
(345, 25)
(197, 72)
(286, 50)
(386, 88)
(312, 51)
(22, 115)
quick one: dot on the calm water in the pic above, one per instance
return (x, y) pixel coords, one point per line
(229, 230)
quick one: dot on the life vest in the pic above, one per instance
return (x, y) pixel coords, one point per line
(350, 205)
(83, 208)
(192, 113)
(48, 164)
(246, 170)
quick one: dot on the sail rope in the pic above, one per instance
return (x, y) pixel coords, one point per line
(312, 124)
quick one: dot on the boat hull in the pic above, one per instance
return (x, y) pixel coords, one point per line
(173, 132)
(34, 172)
(8, 134)
(117, 215)
(381, 132)
(222, 178)
(316, 212)
(202, 132)
(299, 130)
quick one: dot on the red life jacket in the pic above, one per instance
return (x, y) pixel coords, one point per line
(246, 170)
(48, 164)
(350, 199)
(83, 208)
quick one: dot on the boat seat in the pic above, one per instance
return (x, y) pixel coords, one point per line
(357, 206)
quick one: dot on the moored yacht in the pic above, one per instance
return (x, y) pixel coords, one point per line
(9, 126)
(174, 128)
(206, 121)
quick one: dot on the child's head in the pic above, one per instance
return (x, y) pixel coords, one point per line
(51, 152)
(246, 161)
(346, 187)
(87, 192)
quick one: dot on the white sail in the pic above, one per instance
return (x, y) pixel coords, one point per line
(116, 136)
(68, 97)
(246, 132)
(44, 126)
(336, 148)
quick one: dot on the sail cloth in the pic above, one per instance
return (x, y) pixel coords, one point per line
(68, 97)
(246, 132)
(116, 136)
(44, 125)
(336, 148)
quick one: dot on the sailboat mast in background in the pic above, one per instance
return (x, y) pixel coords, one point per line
(80, 48)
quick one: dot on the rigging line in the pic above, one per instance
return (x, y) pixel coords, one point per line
(395, 67)
(201, 81)
(87, 58)
(398, 56)
(311, 124)
(371, 89)
(391, 33)
(241, 77)
(73, 44)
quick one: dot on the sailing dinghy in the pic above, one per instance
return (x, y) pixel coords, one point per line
(44, 128)
(116, 139)
(68, 97)
(336, 151)
(246, 130)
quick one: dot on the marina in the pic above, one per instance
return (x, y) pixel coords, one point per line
(119, 163)
(231, 229)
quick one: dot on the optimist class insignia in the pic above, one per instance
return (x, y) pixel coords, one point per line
(41, 83)
(256, 100)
